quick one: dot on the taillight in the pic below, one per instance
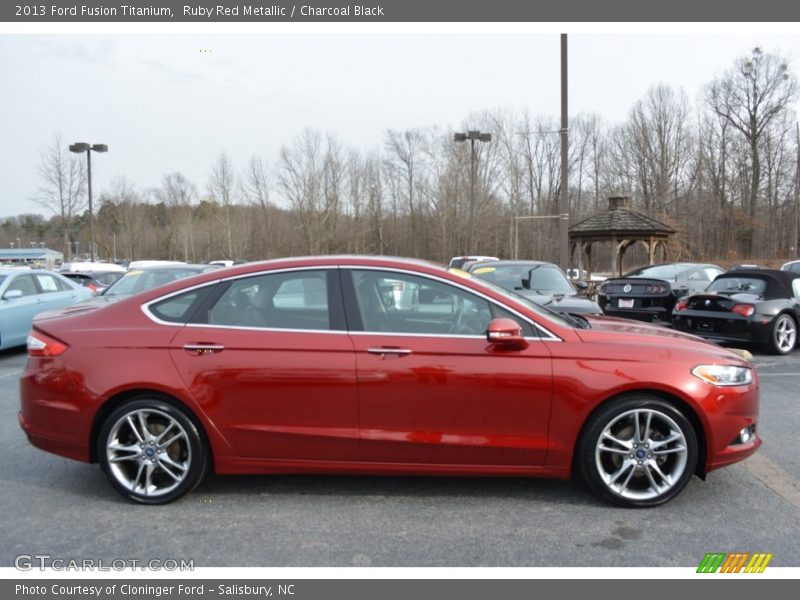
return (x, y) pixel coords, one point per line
(746, 310)
(40, 344)
(682, 304)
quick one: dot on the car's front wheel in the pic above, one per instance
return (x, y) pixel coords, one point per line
(638, 451)
(151, 451)
(783, 336)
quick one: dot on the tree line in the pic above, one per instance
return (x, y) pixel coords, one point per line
(721, 169)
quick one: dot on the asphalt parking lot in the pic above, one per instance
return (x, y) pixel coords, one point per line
(55, 506)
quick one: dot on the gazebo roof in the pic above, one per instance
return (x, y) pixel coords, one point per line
(619, 222)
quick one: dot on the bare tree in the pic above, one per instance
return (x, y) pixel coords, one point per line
(222, 187)
(179, 195)
(749, 96)
(255, 187)
(63, 184)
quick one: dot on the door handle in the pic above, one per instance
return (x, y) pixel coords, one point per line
(201, 349)
(389, 351)
(40, 301)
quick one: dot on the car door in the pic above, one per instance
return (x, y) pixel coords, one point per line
(270, 361)
(53, 292)
(21, 301)
(431, 388)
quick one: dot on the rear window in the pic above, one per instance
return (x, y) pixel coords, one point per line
(751, 285)
(134, 282)
(180, 308)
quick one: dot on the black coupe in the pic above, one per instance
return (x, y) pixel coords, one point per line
(758, 306)
(649, 293)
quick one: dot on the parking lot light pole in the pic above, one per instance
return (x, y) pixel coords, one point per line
(79, 147)
(472, 136)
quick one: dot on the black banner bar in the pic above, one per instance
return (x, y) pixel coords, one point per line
(392, 11)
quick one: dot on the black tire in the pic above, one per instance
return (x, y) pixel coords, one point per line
(167, 473)
(783, 324)
(598, 467)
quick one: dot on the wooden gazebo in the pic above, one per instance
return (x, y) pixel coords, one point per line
(622, 228)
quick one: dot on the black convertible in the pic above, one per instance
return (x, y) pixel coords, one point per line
(750, 306)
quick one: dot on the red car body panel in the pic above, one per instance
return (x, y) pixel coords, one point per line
(287, 401)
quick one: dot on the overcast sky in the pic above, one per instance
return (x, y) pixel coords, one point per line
(162, 105)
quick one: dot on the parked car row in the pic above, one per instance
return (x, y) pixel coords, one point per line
(25, 293)
(747, 305)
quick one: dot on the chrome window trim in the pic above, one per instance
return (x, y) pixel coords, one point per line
(547, 336)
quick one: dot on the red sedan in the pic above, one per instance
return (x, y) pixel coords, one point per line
(320, 365)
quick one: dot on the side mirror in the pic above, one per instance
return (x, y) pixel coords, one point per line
(581, 285)
(506, 334)
(11, 294)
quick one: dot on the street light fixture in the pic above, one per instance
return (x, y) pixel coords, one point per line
(472, 137)
(79, 147)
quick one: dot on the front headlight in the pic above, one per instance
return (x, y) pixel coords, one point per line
(724, 374)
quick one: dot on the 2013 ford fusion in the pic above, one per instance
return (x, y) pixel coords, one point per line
(311, 366)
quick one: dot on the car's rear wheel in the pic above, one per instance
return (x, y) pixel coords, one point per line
(783, 336)
(638, 451)
(152, 451)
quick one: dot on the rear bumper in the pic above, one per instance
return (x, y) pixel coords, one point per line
(730, 328)
(649, 314)
(50, 443)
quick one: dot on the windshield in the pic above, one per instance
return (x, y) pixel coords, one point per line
(511, 295)
(750, 285)
(544, 279)
(658, 272)
(134, 282)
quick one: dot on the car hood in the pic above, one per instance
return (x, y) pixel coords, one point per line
(563, 303)
(624, 331)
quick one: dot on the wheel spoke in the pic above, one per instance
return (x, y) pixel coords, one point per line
(622, 451)
(625, 444)
(625, 483)
(135, 431)
(163, 433)
(665, 478)
(646, 427)
(171, 440)
(650, 478)
(149, 478)
(624, 467)
(637, 434)
(132, 450)
(673, 450)
(674, 436)
(146, 435)
(135, 481)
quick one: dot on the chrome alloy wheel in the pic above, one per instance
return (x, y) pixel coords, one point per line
(785, 334)
(641, 454)
(148, 452)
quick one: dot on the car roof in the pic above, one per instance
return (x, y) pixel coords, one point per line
(777, 281)
(514, 263)
(176, 267)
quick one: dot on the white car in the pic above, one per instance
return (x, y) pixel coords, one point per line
(73, 267)
(458, 262)
(792, 265)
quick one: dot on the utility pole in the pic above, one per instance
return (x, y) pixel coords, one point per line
(563, 201)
